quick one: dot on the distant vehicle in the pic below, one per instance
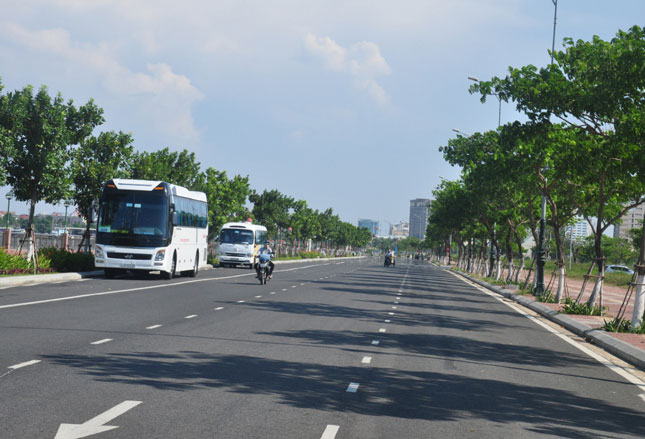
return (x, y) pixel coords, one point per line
(239, 243)
(151, 226)
(618, 269)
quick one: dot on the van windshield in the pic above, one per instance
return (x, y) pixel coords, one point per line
(235, 236)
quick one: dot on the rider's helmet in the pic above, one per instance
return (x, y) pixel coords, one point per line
(267, 243)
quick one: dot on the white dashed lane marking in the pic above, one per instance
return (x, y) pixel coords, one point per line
(382, 330)
(105, 340)
(192, 316)
(375, 342)
(353, 387)
(366, 360)
(154, 327)
(330, 432)
(219, 308)
(25, 364)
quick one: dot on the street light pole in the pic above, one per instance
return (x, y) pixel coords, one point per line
(541, 251)
(67, 204)
(8, 196)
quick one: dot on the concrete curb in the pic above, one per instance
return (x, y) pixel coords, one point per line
(619, 348)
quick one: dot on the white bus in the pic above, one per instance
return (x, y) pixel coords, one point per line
(151, 226)
(239, 243)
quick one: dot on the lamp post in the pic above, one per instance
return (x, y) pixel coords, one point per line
(541, 250)
(67, 204)
(8, 196)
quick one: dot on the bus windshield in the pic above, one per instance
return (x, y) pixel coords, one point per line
(134, 216)
(236, 236)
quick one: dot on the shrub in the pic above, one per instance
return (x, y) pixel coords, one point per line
(310, 255)
(573, 307)
(64, 261)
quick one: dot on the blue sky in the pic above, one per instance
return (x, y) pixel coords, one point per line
(341, 103)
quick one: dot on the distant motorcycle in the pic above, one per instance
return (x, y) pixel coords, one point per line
(263, 268)
(388, 261)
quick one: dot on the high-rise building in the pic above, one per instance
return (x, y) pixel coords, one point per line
(369, 224)
(580, 228)
(419, 217)
(632, 219)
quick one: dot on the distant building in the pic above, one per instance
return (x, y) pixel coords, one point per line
(633, 219)
(579, 229)
(369, 224)
(419, 217)
(400, 230)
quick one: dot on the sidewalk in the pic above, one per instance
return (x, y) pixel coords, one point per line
(627, 347)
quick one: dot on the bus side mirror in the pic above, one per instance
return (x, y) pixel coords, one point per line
(175, 220)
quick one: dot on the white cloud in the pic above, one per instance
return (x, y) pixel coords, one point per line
(167, 89)
(362, 61)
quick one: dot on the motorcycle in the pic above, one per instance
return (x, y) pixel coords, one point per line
(388, 261)
(263, 268)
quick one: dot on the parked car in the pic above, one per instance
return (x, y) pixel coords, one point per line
(619, 269)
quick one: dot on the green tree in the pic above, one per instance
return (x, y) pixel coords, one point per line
(180, 168)
(271, 209)
(95, 161)
(226, 198)
(597, 88)
(38, 134)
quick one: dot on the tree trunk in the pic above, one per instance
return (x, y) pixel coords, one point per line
(639, 298)
(560, 262)
(597, 288)
(509, 257)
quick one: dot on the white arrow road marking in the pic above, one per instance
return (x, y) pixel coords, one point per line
(95, 425)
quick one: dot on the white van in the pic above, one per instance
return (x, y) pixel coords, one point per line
(239, 243)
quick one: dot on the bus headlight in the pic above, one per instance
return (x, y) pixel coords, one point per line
(98, 252)
(161, 254)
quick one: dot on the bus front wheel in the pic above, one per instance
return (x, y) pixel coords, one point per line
(173, 267)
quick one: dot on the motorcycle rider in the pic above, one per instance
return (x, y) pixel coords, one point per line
(266, 249)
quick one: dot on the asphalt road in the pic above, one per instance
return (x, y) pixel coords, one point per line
(337, 350)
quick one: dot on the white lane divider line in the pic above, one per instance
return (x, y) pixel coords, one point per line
(258, 297)
(366, 360)
(352, 388)
(330, 432)
(105, 340)
(25, 364)
(642, 396)
(284, 289)
(240, 301)
(394, 307)
(302, 284)
(272, 292)
(390, 314)
(294, 286)
(375, 342)
(382, 330)
(387, 321)
(192, 316)
(219, 308)
(154, 327)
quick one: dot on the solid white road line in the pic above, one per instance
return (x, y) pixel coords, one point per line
(330, 432)
(352, 388)
(105, 340)
(150, 287)
(26, 363)
(154, 327)
(366, 360)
